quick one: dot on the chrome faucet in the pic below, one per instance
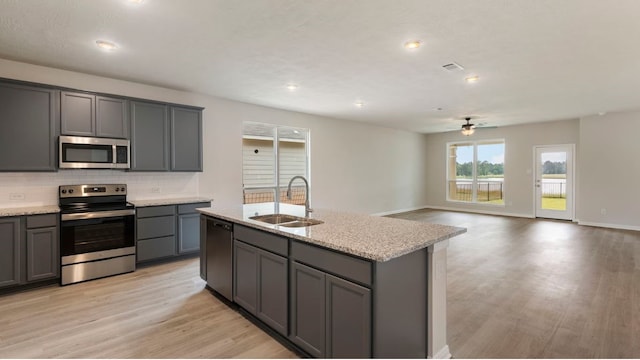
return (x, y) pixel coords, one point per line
(307, 209)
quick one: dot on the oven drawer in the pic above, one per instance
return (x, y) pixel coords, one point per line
(156, 227)
(152, 249)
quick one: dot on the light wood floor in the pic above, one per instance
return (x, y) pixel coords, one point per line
(517, 288)
(162, 311)
(524, 288)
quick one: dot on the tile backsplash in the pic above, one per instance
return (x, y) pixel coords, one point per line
(36, 189)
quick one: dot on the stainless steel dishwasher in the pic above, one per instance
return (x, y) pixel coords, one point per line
(220, 257)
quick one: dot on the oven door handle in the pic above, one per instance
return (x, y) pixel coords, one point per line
(97, 215)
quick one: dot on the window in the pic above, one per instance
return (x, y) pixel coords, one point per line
(271, 156)
(475, 172)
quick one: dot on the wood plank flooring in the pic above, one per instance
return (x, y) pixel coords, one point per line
(525, 288)
(160, 311)
(517, 288)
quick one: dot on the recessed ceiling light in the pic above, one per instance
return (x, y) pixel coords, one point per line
(136, 1)
(106, 45)
(292, 87)
(359, 104)
(413, 44)
(472, 79)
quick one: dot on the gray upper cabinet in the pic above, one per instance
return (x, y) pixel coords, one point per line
(112, 118)
(28, 128)
(10, 254)
(186, 139)
(149, 137)
(77, 114)
(84, 114)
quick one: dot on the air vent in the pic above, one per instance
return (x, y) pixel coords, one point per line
(453, 67)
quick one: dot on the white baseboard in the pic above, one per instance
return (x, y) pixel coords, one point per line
(385, 213)
(475, 211)
(612, 226)
(442, 353)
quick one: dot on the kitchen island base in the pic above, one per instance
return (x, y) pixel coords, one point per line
(332, 304)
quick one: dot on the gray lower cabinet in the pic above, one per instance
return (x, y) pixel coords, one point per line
(261, 285)
(330, 302)
(149, 136)
(308, 306)
(155, 232)
(168, 230)
(189, 227)
(29, 127)
(330, 316)
(10, 254)
(186, 139)
(203, 248)
(340, 305)
(29, 249)
(348, 319)
(245, 282)
(42, 250)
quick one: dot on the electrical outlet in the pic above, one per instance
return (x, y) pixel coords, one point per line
(603, 211)
(16, 196)
(155, 190)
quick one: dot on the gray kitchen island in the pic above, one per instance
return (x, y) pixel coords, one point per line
(352, 285)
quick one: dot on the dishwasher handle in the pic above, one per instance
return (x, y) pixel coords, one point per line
(222, 225)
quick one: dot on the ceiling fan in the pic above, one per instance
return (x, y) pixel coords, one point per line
(468, 128)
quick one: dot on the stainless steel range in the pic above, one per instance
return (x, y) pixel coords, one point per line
(97, 232)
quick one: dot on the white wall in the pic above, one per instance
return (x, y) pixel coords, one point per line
(609, 171)
(518, 167)
(354, 166)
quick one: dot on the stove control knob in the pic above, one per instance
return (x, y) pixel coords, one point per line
(117, 189)
(70, 191)
(122, 189)
(64, 191)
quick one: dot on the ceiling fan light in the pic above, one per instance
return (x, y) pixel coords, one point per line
(467, 131)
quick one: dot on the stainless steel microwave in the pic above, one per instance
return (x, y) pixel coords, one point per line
(79, 152)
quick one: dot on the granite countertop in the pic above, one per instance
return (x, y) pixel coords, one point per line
(31, 210)
(169, 201)
(370, 237)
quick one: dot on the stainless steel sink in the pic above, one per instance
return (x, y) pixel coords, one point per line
(286, 220)
(302, 223)
(275, 218)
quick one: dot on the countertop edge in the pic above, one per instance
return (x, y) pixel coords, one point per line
(29, 210)
(140, 203)
(362, 254)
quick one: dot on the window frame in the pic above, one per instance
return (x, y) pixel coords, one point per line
(474, 171)
(276, 186)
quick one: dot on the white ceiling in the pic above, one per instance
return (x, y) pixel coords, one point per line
(537, 60)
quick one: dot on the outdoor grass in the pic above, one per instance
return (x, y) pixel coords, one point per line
(554, 203)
